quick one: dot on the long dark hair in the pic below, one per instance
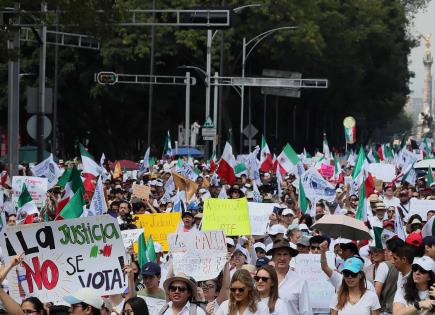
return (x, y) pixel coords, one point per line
(410, 289)
(138, 305)
(39, 306)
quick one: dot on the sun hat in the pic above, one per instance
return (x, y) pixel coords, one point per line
(283, 244)
(85, 295)
(184, 278)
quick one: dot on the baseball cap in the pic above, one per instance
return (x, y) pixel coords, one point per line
(241, 250)
(277, 229)
(261, 262)
(287, 211)
(353, 264)
(429, 240)
(260, 245)
(187, 213)
(229, 241)
(388, 223)
(85, 295)
(425, 262)
(151, 269)
(304, 241)
(414, 239)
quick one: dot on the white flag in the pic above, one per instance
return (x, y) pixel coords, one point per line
(145, 165)
(98, 204)
(49, 169)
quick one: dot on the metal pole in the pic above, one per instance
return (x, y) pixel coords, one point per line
(249, 119)
(242, 97)
(208, 72)
(221, 71)
(187, 121)
(215, 109)
(276, 119)
(150, 87)
(55, 90)
(264, 115)
(41, 103)
(14, 105)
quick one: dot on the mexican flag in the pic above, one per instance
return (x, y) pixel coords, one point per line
(167, 146)
(74, 208)
(359, 171)
(288, 159)
(266, 162)
(326, 151)
(71, 186)
(382, 236)
(213, 161)
(240, 169)
(146, 251)
(26, 205)
(302, 200)
(226, 165)
(429, 228)
(90, 167)
(361, 212)
(429, 177)
(350, 135)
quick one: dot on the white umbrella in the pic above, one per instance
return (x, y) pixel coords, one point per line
(342, 226)
(425, 163)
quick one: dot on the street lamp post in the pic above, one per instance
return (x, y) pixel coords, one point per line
(245, 55)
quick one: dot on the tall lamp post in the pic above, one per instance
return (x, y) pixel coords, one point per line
(245, 55)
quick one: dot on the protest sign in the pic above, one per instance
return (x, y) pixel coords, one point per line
(327, 170)
(420, 207)
(37, 187)
(141, 191)
(382, 171)
(229, 215)
(48, 169)
(154, 305)
(201, 255)
(259, 216)
(316, 187)
(129, 237)
(320, 290)
(158, 225)
(63, 256)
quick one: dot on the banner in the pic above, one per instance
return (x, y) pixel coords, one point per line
(129, 237)
(320, 290)
(48, 169)
(382, 171)
(201, 255)
(316, 187)
(37, 187)
(158, 225)
(229, 215)
(420, 207)
(259, 216)
(63, 256)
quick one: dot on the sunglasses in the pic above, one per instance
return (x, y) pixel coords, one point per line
(258, 278)
(348, 273)
(207, 286)
(416, 268)
(315, 247)
(239, 290)
(177, 289)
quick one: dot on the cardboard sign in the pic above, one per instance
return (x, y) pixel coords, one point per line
(129, 237)
(37, 187)
(320, 290)
(259, 216)
(201, 255)
(382, 171)
(229, 215)
(159, 225)
(420, 207)
(64, 256)
(327, 170)
(141, 191)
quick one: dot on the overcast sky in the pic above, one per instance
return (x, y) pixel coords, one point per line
(424, 23)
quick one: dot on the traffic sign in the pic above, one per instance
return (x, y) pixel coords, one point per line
(250, 131)
(32, 127)
(208, 123)
(109, 78)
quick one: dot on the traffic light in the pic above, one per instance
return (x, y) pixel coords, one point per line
(107, 78)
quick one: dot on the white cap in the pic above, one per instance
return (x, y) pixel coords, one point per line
(425, 262)
(242, 250)
(303, 226)
(287, 211)
(277, 229)
(266, 174)
(229, 241)
(158, 248)
(85, 295)
(159, 184)
(260, 245)
(268, 248)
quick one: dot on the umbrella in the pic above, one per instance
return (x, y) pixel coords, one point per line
(342, 226)
(187, 150)
(126, 164)
(425, 163)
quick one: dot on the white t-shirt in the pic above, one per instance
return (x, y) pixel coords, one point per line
(381, 272)
(262, 309)
(393, 202)
(369, 302)
(281, 307)
(400, 296)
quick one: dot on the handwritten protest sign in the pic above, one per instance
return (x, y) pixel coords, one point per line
(64, 256)
(382, 171)
(420, 207)
(37, 187)
(129, 237)
(229, 215)
(141, 192)
(158, 225)
(320, 290)
(259, 216)
(198, 254)
(327, 170)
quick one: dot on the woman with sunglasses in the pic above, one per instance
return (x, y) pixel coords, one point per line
(244, 299)
(266, 281)
(135, 306)
(353, 297)
(415, 295)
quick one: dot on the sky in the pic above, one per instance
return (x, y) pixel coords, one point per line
(423, 24)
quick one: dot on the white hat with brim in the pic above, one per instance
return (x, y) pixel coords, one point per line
(184, 278)
(85, 295)
(425, 262)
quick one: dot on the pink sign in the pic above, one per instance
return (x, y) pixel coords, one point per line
(327, 170)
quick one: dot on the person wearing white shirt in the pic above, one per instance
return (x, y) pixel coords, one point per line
(378, 219)
(389, 199)
(292, 288)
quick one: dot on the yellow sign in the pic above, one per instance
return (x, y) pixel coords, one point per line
(229, 215)
(158, 225)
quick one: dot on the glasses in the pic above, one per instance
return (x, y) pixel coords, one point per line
(258, 278)
(416, 268)
(127, 312)
(239, 290)
(29, 311)
(315, 247)
(348, 273)
(177, 289)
